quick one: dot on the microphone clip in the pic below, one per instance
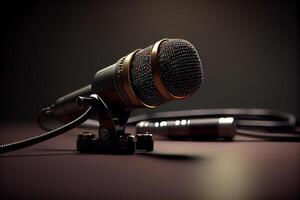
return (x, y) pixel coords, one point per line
(111, 138)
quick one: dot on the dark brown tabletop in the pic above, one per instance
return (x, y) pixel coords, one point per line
(243, 169)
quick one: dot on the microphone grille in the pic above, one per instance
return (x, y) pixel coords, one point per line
(180, 67)
(142, 80)
(180, 71)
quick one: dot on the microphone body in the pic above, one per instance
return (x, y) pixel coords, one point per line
(170, 69)
(66, 109)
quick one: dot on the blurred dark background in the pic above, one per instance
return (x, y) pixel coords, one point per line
(249, 49)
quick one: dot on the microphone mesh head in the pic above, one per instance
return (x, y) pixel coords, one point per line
(180, 69)
(142, 80)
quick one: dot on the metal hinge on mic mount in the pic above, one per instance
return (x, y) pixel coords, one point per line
(111, 138)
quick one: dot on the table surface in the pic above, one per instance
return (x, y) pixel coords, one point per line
(243, 169)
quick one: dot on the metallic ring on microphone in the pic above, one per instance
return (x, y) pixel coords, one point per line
(127, 82)
(163, 90)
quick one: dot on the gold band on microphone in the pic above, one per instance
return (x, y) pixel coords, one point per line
(127, 82)
(163, 90)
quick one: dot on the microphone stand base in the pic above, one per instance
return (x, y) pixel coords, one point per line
(111, 139)
(90, 143)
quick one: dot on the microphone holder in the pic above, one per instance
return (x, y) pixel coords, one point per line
(111, 138)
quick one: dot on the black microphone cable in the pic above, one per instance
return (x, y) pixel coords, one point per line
(4, 148)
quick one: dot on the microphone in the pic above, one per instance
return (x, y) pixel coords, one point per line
(222, 128)
(169, 70)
